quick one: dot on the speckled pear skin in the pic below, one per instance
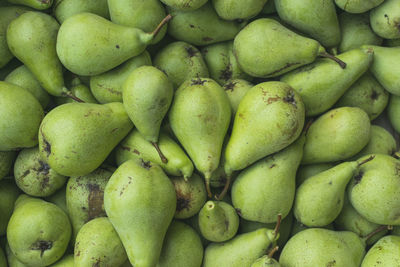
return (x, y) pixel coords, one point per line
(265, 48)
(317, 19)
(331, 137)
(181, 248)
(378, 177)
(9, 193)
(32, 39)
(63, 9)
(385, 19)
(321, 247)
(181, 61)
(185, 5)
(385, 252)
(306, 171)
(266, 261)
(75, 138)
(236, 89)
(107, 87)
(98, 244)
(231, 9)
(240, 251)
(7, 159)
(135, 188)
(36, 4)
(66, 261)
(323, 82)
(385, 67)
(199, 117)
(357, 6)
(208, 27)
(268, 103)
(26, 113)
(393, 110)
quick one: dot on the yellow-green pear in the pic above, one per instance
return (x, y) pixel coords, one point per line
(267, 260)
(63, 9)
(234, 10)
(306, 171)
(385, 19)
(36, 4)
(12, 260)
(357, 6)
(66, 261)
(236, 89)
(184, 4)
(385, 252)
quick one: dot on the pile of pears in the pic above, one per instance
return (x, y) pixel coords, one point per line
(196, 133)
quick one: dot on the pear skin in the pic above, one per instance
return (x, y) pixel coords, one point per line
(36, 4)
(236, 89)
(385, 252)
(233, 10)
(63, 9)
(9, 193)
(66, 261)
(356, 6)
(184, 4)
(385, 19)
(306, 171)
(393, 111)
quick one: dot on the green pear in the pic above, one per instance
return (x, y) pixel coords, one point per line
(64, 9)
(24, 78)
(236, 89)
(21, 115)
(144, 15)
(356, 31)
(36, 4)
(181, 248)
(194, 223)
(268, 103)
(321, 247)
(35, 177)
(184, 4)
(84, 198)
(231, 9)
(385, 67)
(7, 159)
(9, 193)
(240, 251)
(136, 146)
(385, 252)
(357, 6)
(181, 61)
(38, 231)
(191, 195)
(80, 90)
(107, 87)
(202, 26)
(393, 111)
(7, 14)
(140, 202)
(298, 227)
(75, 138)
(12, 260)
(367, 94)
(60, 199)
(374, 191)
(317, 19)
(385, 19)
(98, 244)
(323, 82)
(66, 261)
(88, 44)
(267, 188)
(331, 137)
(267, 260)
(306, 171)
(222, 63)
(199, 117)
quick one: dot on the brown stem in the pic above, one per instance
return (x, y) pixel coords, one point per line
(327, 55)
(162, 157)
(162, 23)
(225, 190)
(377, 230)
(366, 160)
(272, 252)
(208, 188)
(72, 96)
(278, 225)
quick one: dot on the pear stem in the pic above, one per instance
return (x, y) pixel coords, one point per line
(162, 157)
(162, 23)
(366, 160)
(72, 96)
(208, 188)
(377, 230)
(226, 187)
(327, 55)
(272, 252)
(278, 225)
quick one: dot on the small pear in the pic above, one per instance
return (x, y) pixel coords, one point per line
(385, 19)
(306, 171)
(66, 261)
(331, 137)
(231, 9)
(98, 244)
(140, 202)
(356, 6)
(298, 227)
(385, 252)
(184, 4)
(7, 159)
(80, 90)
(36, 4)
(267, 260)
(63, 9)
(12, 260)
(393, 110)
(236, 89)
(9, 193)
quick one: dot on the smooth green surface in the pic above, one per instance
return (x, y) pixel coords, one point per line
(306, 171)
(358, 6)
(236, 89)
(36, 4)
(393, 112)
(63, 9)
(244, 9)
(385, 19)
(184, 4)
(66, 261)
(385, 253)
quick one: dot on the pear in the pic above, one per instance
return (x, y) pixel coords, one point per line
(374, 191)
(182, 247)
(385, 252)
(267, 188)
(107, 87)
(323, 82)
(356, 6)
(24, 78)
(80, 90)
(298, 227)
(218, 221)
(7, 159)
(38, 231)
(321, 247)
(184, 4)
(140, 202)
(385, 67)
(267, 260)
(393, 111)
(306, 171)
(199, 117)
(63, 9)
(21, 115)
(84, 198)
(88, 44)
(222, 63)
(269, 103)
(191, 195)
(331, 137)
(136, 146)
(181, 61)
(231, 9)
(66, 261)
(240, 251)
(59, 198)
(356, 31)
(385, 19)
(147, 95)
(98, 244)
(144, 15)
(75, 138)
(12, 260)
(367, 94)
(35, 177)
(36, 4)
(202, 26)
(317, 19)
(9, 193)
(236, 89)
